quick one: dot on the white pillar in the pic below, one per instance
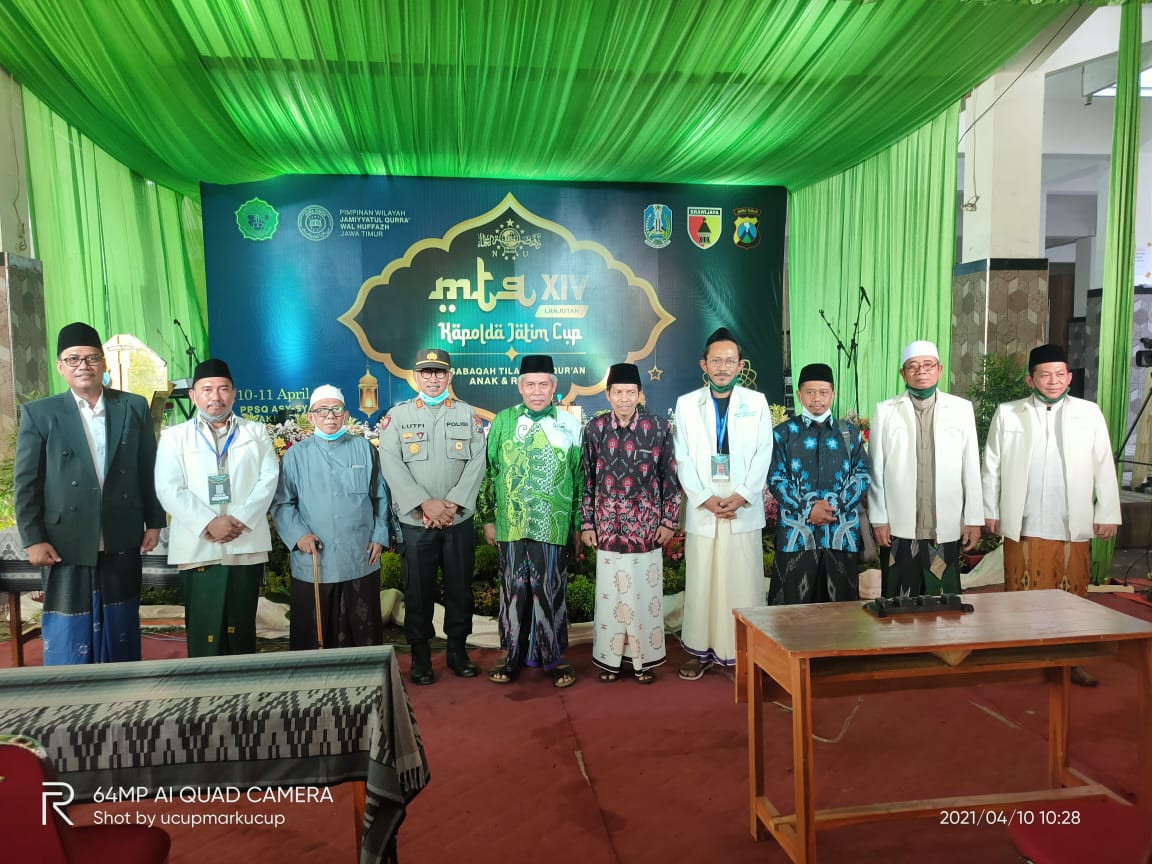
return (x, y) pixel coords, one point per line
(1002, 166)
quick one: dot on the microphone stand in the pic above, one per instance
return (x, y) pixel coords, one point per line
(854, 349)
(840, 347)
(191, 352)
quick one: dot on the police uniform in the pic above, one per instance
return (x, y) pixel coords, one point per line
(435, 452)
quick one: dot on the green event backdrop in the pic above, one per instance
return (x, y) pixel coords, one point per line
(887, 225)
(181, 91)
(710, 91)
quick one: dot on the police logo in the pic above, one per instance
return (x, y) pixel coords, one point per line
(315, 222)
(747, 233)
(704, 225)
(657, 225)
(384, 423)
(257, 219)
(413, 449)
(459, 445)
(431, 355)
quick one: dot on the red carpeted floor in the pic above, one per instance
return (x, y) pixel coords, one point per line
(639, 775)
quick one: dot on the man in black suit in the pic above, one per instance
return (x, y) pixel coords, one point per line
(86, 505)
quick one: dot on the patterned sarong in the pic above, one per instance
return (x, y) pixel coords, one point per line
(629, 610)
(1032, 563)
(92, 614)
(533, 603)
(910, 568)
(220, 609)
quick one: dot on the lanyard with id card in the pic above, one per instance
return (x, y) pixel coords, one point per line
(721, 462)
(219, 484)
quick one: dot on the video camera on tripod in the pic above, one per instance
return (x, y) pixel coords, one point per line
(1144, 356)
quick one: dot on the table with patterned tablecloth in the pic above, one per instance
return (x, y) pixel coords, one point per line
(299, 718)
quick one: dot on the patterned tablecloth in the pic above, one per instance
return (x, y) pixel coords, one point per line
(299, 718)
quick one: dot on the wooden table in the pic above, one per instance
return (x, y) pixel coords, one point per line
(295, 718)
(837, 649)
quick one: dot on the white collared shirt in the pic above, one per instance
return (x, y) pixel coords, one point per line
(1046, 505)
(95, 421)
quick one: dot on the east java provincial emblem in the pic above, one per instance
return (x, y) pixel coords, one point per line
(704, 225)
(747, 233)
(657, 225)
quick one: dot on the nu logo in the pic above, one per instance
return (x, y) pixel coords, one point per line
(52, 789)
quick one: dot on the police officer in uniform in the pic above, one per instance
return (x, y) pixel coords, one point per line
(432, 453)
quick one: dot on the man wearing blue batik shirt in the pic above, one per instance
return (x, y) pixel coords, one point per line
(819, 474)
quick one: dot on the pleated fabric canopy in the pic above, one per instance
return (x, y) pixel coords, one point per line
(785, 92)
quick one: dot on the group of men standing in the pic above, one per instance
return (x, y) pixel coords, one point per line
(92, 489)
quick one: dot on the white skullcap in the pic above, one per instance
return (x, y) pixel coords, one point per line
(325, 391)
(920, 348)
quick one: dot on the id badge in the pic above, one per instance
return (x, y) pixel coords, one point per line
(219, 489)
(720, 466)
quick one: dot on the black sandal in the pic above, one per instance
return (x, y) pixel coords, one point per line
(607, 677)
(501, 674)
(563, 676)
(647, 676)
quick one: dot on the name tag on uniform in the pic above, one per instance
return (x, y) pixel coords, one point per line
(720, 466)
(219, 489)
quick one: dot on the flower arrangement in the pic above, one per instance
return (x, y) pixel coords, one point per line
(296, 429)
(861, 423)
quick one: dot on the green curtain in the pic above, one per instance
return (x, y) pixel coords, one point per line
(785, 92)
(119, 251)
(1117, 299)
(887, 225)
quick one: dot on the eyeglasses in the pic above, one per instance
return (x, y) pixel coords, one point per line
(72, 360)
(329, 412)
(428, 374)
(723, 363)
(927, 366)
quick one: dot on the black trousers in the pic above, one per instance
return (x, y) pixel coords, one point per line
(424, 551)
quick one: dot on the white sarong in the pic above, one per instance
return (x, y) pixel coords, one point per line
(721, 573)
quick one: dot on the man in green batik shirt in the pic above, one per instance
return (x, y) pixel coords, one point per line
(529, 504)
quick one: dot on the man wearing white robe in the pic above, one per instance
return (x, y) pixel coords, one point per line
(1050, 483)
(723, 437)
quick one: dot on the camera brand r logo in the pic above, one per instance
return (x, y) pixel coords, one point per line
(51, 789)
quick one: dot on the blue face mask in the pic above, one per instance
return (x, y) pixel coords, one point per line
(816, 419)
(434, 400)
(331, 437)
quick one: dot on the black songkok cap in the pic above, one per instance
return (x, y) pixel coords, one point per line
(722, 334)
(530, 363)
(1046, 354)
(78, 335)
(816, 372)
(211, 368)
(624, 373)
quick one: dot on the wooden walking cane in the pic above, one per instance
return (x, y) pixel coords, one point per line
(316, 592)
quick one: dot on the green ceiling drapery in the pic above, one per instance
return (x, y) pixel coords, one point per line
(787, 92)
(1117, 298)
(119, 252)
(888, 225)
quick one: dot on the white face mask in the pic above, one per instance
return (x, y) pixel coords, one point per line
(814, 418)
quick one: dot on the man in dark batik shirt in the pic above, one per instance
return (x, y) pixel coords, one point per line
(819, 474)
(629, 509)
